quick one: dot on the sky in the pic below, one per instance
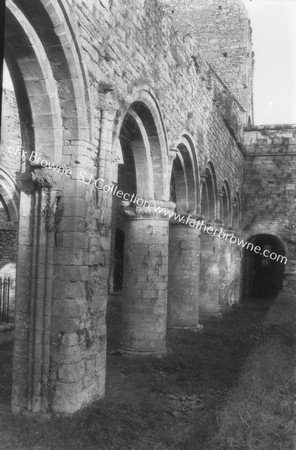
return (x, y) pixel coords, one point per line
(274, 43)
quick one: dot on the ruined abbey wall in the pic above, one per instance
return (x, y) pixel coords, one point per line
(90, 78)
(10, 136)
(269, 188)
(10, 133)
(224, 37)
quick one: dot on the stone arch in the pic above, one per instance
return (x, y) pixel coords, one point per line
(143, 105)
(139, 137)
(209, 193)
(225, 204)
(185, 177)
(51, 90)
(263, 276)
(135, 146)
(45, 69)
(135, 178)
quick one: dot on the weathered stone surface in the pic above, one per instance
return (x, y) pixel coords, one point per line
(122, 100)
(184, 269)
(269, 188)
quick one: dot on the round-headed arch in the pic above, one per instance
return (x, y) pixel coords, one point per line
(42, 56)
(141, 132)
(185, 177)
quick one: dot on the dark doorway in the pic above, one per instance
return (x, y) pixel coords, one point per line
(118, 260)
(264, 269)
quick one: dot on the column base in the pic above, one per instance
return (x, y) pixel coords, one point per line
(135, 352)
(195, 329)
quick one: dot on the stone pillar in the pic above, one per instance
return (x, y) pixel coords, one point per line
(225, 270)
(184, 267)
(31, 357)
(209, 274)
(145, 273)
(235, 274)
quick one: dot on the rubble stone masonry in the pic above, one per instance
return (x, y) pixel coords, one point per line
(270, 187)
(92, 77)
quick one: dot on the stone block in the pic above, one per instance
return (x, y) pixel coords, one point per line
(68, 397)
(71, 373)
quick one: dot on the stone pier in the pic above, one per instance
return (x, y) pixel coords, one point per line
(145, 281)
(209, 274)
(184, 267)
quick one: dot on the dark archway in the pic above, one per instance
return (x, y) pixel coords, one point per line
(263, 269)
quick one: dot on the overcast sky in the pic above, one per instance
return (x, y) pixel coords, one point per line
(274, 43)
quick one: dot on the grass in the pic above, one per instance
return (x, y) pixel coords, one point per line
(260, 411)
(231, 387)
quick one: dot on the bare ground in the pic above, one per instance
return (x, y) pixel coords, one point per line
(230, 387)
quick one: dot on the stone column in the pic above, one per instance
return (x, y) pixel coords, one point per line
(31, 357)
(235, 274)
(145, 273)
(209, 274)
(184, 267)
(225, 269)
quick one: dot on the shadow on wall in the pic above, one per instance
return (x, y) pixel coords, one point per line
(263, 276)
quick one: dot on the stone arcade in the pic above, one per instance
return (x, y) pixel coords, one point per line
(155, 97)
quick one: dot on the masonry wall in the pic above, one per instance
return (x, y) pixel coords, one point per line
(7, 244)
(10, 133)
(128, 49)
(10, 137)
(270, 188)
(224, 37)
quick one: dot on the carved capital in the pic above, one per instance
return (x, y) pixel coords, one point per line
(151, 209)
